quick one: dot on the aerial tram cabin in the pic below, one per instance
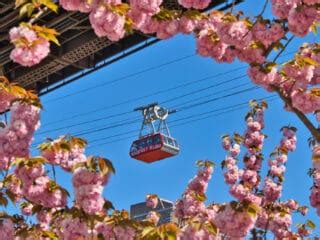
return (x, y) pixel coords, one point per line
(155, 142)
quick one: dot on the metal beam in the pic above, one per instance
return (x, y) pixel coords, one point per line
(80, 47)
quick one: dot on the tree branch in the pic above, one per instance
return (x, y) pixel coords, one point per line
(38, 15)
(314, 131)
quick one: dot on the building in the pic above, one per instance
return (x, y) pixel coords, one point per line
(139, 211)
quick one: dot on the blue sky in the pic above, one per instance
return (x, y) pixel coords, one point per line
(198, 139)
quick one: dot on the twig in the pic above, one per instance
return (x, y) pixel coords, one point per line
(284, 48)
(256, 21)
(38, 15)
(264, 8)
(232, 6)
(54, 172)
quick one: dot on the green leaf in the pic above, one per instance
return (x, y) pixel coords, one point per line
(148, 231)
(225, 136)
(19, 3)
(253, 103)
(315, 92)
(65, 146)
(105, 166)
(200, 197)
(50, 235)
(211, 228)
(278, 46)
(252, 212)
(50, 4)
(238, 138)
(310, 61)
(314, 29)
(171, 236)
(311, 224)
(53, 39)
(26, 9)
(199, 163)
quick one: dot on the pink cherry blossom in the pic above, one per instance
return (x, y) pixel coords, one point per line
(77, 5)
(29, 48)
(6, 229)
(281, 8)
(197, 4)
(107, 23)
(267, 34)
(263, 79)
(153, 217)
(235, 224)
(301, 19)
(235, 33)
(149, 7)
(167, 28)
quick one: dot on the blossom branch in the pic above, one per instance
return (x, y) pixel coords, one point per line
(38, 15)
(314, 131)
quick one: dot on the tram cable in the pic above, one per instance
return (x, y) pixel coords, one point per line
(148, 95)
(130, 121)
(151, 94)
(184, 118)
(121, 78)
(234, 108)
(166, 101)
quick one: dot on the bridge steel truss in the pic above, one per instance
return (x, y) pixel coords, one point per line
(81, 51)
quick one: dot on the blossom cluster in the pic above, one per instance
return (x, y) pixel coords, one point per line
(73, 229)
(16, 135)
(191, 210)
(6, 229)
(30, 48)
(277, 216)
(300, 14)
(88, 182)
(35, 184)
(245, 181)
(152, 200)
(272, 215)
(192, 202)
(235, 222)
(65, 151)
(88, 187)
(297, 79)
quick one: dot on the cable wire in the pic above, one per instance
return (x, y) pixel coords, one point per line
(232, 109)
(169, 100)
(148, 95)
(152, 94)
(121, 78)
(181, 119)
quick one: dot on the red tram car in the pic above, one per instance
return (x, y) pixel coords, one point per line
(157, 144)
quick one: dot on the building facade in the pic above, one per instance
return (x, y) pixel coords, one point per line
(139, 211)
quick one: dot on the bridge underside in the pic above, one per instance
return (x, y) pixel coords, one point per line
(81, 51)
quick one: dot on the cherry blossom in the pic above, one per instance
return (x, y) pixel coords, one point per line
(197, 4)
(29, 49)
(107, 23)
